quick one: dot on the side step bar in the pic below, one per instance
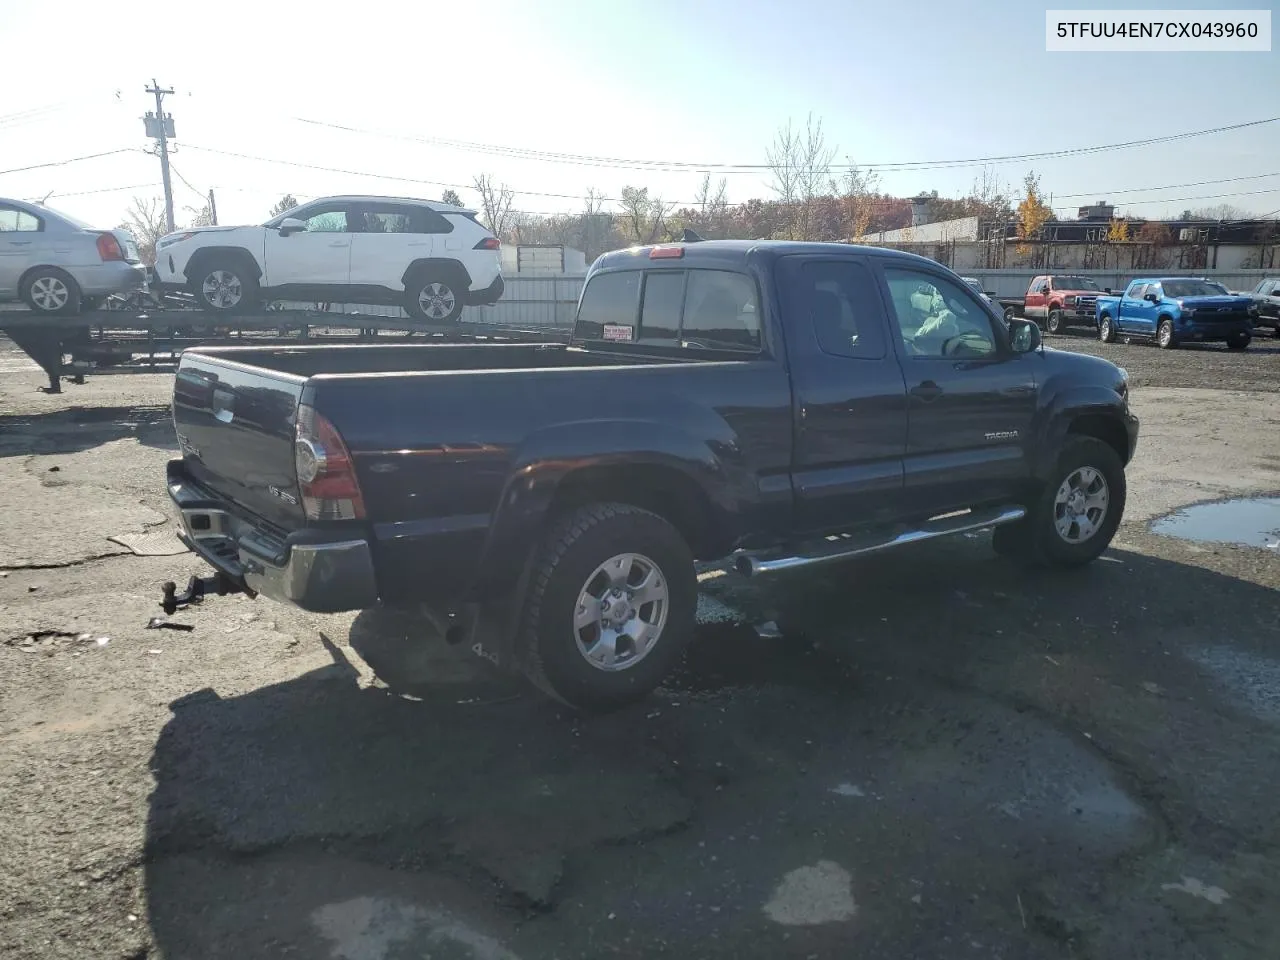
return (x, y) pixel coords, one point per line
(844, 546)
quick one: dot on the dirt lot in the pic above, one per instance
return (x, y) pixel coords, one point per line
(934, 754)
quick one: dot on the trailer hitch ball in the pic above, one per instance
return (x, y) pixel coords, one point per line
(197, 589)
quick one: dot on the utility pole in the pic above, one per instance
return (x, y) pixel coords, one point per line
(213, 209)
(160, 129)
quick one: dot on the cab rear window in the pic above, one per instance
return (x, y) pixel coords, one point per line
(717, 309)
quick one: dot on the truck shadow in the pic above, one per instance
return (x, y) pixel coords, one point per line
(82, 428)
(942, 669)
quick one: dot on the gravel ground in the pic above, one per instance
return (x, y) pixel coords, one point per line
(932, 754)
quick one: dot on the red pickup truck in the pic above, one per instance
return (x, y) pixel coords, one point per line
(1056, 302)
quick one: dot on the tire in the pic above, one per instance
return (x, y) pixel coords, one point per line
(225, 285)
(1056, 321)
(1055, 532)
(1239, 343)
(434, 297)
(1164, 334)
(51, 291)
(1010, 314)
(1106, 330)
(566, 660)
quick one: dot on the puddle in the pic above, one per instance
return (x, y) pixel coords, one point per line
(1251, 522)
(1254, 680)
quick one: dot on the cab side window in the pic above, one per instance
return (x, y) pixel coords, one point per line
(838, 298)
(937, 318)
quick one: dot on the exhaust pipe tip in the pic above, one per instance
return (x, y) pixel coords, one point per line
(746, 565)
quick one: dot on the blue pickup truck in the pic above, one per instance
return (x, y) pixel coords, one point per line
(1173, 310)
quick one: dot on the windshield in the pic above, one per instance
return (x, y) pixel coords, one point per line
(1192, 288)
(1075, 283)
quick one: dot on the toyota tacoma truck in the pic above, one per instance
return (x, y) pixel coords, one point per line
(1174, 310)
(776, 405)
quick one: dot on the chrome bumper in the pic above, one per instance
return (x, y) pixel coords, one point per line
(323, 577)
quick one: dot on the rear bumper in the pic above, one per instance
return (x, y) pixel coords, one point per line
(113, 276)
(305, 569)
(486, 295)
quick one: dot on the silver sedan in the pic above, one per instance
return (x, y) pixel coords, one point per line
(59, 265)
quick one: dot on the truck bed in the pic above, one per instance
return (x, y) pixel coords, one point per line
(402, 358)
(437, 432)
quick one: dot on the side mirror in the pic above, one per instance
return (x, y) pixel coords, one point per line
(291, 225)
(1024, 335)
(1152, 297)
(1107, 291)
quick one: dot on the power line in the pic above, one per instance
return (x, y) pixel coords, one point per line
(200, 193)
(686, 165)
(1167, 186)
(877, 202)
(1203, 196)
(86, 193)
(63, 163)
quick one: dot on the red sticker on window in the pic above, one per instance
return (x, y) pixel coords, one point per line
(619, 331)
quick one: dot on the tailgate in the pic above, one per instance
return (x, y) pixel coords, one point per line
(235, 426)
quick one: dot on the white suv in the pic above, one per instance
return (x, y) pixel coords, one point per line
(430, 258)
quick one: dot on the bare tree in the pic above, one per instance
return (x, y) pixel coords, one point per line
(858, 200)
(712, 214)
(643, 217)
(145, 220)
(1223, 211)
(201, 216)
(800, 162)
(495, 204)
(989, 197)
(283, 205)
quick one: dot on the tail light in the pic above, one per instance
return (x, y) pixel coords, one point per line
(488, 243)
(109, 247)
(326, 475)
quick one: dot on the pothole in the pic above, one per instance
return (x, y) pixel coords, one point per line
(1247, 521)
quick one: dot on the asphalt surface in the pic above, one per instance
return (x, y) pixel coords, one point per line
(934, 754)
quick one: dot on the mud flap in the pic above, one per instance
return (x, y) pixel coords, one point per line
(493, 630)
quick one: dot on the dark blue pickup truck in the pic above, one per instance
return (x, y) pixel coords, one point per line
(1174, 310)
(781, 404)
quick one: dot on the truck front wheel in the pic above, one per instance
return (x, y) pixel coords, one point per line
(611, 606)
(1106, 329)
(1056, 321)
(1077, 511)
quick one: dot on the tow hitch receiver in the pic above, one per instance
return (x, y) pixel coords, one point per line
(197, 589)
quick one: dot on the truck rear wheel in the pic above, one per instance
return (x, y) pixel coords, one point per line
(611, 606)
(1076, 513)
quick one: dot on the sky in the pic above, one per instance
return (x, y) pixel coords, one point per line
(696, 82)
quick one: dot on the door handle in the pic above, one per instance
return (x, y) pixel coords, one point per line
(927, 391)
(339, 243)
